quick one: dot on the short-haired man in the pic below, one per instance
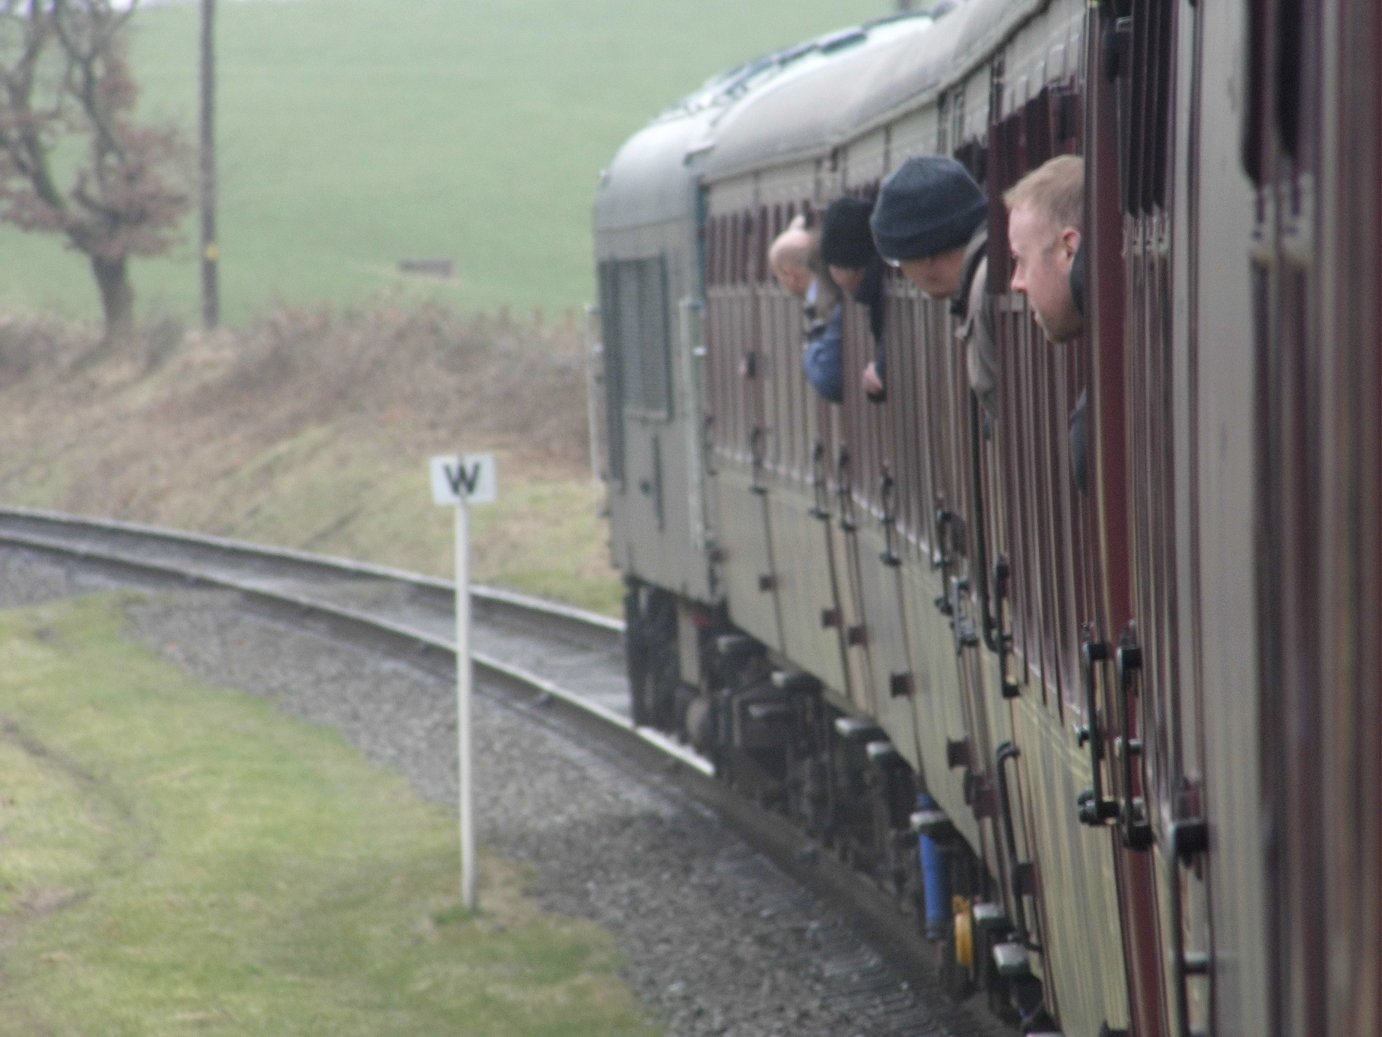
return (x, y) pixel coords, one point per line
(1045, 225)
(1045, 236)
(931, 222)
(853, 263)
(793, 258)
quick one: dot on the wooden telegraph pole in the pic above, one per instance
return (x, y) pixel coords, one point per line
(211, 253)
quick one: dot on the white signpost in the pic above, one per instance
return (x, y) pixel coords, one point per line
(462, 481)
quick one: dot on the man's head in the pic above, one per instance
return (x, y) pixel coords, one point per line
(927, 211)
(1045, 224)
(791, 255)
(847, 242)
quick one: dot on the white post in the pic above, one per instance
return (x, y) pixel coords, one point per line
(463, 681)
(458, 482)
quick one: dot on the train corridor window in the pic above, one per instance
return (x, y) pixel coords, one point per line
(613, 409)
(1144, 99)
(637, 335)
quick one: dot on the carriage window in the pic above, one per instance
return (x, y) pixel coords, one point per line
(614, 425)
(1291, 84)
(633, 295)
(1037, 129)
(1253, 141)
(1145, 83)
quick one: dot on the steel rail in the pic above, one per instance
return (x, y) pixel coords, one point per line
(274, 576)
(291, 564)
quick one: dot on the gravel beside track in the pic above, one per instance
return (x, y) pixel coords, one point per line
(718, 941)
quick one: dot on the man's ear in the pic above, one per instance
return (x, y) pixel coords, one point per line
(1070, 239)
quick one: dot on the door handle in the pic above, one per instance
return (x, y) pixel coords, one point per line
(820, 491)
(1094, 809)
(999, 639)
(1189, 839)
(757, 451)
(940, 557)
(1021, 870)
(887, 501)
(1136, 830)
(844, 490)
(995, 637)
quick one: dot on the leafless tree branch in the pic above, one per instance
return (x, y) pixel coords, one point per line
(65, 82)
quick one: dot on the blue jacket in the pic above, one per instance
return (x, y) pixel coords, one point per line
(822, 361)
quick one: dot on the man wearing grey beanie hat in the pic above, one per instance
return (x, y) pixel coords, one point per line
(928, 206)
(931, 222)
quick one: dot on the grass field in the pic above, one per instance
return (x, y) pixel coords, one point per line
(179, 859)
(356, 133)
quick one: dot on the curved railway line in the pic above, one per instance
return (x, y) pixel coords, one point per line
(582, 666)
(560, 664)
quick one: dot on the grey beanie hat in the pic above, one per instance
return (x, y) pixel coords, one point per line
(928, 205)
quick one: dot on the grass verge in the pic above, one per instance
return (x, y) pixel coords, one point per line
(179, 859)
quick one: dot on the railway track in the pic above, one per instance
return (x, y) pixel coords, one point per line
(582, 664)
(565, 663)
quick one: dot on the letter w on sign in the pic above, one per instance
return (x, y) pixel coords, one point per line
(464, 479)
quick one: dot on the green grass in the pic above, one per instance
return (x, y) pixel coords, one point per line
(355, 133)
(179, 859)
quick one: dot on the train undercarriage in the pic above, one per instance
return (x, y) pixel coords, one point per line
(776, 738)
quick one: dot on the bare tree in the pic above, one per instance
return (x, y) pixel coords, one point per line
(73, 160)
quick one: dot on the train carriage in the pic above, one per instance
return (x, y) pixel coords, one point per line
(1080, 708)
(1310, 143)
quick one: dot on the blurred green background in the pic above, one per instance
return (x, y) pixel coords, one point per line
(353, 134)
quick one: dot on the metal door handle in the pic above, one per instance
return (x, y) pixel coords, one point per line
(995, 637)
(1094, 809)
(1189, 839)
(1136, 830)
(820, 491)
(999, 639)
(940, 558)
(1021, 871)
(844, 490)
(757, 450)
(886, 497)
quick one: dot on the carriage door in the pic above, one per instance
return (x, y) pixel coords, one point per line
(1313, 149)
(739, 294)
(1144, 657)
